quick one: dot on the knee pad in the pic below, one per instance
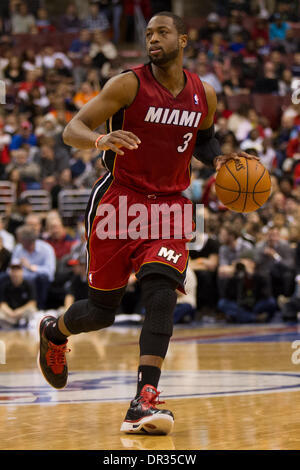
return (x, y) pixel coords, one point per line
(159, 298)
(95, 313)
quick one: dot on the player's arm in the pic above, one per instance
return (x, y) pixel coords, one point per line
(207, 147)
(119, 92)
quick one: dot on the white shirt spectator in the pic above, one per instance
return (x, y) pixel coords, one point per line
(7, 240)
(48, 61)
(213, 80)
(21, 24)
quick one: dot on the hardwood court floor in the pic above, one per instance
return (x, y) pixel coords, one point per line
(229, 388)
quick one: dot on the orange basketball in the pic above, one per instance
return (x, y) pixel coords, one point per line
(243, 185)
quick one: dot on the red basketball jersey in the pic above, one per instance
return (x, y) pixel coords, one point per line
(167, 127)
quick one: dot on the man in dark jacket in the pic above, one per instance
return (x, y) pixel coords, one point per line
(247, 296)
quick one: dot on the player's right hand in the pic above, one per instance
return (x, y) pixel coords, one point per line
(117, 139)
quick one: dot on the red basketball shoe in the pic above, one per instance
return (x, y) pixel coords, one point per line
(144, 418)
(52, 358)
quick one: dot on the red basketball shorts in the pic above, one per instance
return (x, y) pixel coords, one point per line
(127, 233)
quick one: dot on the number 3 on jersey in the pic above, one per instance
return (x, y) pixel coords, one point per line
(187, 137)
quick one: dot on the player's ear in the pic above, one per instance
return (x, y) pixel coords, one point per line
(183, 39)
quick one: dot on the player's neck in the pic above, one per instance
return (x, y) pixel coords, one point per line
(170, 76)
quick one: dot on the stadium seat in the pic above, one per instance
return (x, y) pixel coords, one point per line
(40, 199)
(72, 203)
(7, 195)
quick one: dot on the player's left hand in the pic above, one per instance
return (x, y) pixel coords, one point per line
(221, 159)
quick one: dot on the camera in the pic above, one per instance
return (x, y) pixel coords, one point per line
(240, 267)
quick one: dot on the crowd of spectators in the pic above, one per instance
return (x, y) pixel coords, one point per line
(248, 268)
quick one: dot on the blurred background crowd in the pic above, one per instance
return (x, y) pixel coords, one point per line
(247, 268)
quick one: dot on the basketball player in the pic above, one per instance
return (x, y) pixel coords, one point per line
(158, 115)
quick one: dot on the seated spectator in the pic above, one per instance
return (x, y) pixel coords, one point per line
(295, 68)
(43, 23)
(204, 263)
(58, 238)
(70, 22)
(239, 122)
(84, 94)
(61, 70)
(37, 258)
(212, 26)
(235, 85)
(29, 59)
(260, 29)
(247, 297)
(59, 110)
(48, 127)
(81, 46)
(34, 222)
(291, 209)
(284, 135)
(11, 124)
(277, 201)
(63, 181)
(250, 61)
(238, 43)
(102, 49)
(14, 177)
(277, 58)
(274, 256)
(223, 132)
(48, 56)
(252, 228)
(51, 158)
(24, 136)
(286, 185)
(291, 43)
(267, 154)
(205, 75)
(278, 28)
(285, 83)
(17, 297)
(5, 256)
(254, 141)
(235, 24)
(77, 287)
(96, 20)
(268, 81)
(8, 240)
(21, 20)
(32, 80)
(28, 170)
(279, 222)
(17, 217)
(13, 72)
(231, 246)
(263, 48)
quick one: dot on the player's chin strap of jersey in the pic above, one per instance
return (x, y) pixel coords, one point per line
(207, 147)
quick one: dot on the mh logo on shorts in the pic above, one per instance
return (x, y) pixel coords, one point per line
(170, 255)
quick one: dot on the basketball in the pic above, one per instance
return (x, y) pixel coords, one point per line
(243, 185)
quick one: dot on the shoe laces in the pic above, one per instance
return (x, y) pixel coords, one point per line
(150, 399)
(57, 354)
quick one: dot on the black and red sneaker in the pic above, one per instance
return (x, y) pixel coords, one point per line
(144, 418)
(52, 358)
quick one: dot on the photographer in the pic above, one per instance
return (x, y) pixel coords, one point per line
(247, 296)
